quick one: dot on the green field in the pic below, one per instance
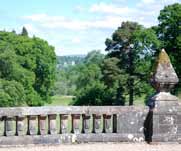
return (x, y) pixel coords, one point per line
(67, 100)
(61, 100)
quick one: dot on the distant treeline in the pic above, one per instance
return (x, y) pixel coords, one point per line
(69, 60)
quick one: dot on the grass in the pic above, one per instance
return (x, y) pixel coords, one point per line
(67, 100)
(61, 100)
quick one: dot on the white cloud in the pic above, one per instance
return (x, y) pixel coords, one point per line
(76, 40)
(110, 8)
(148, 1)
(55, 22)
(144, 12)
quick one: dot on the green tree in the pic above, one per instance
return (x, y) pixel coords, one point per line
(30, 62)
(90, 88)
(94, 56)
(91, 94)
(24, 32)
(115, 79)
(134, 46)
(11, 93)
(169, 32)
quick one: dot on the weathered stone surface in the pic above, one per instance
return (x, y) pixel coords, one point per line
(165, 123)
(68, 139)
(97, 123)
(64, 123)
(107, 123)
(86, 123)
(42, 124)
(164, 76)
(20, 125)
(131, 122)
(52, 125)
(9, 129)
(49, 110)
(32, 125)
(76, 123)
(164, 96)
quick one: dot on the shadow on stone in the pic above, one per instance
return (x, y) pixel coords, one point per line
(148, 127)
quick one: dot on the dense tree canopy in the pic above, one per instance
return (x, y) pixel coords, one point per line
(134, 46)
(26, 65)
(169, 32)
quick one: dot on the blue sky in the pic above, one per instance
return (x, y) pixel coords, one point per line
(77, 26)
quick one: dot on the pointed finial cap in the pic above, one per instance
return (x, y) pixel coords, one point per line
(164, 76)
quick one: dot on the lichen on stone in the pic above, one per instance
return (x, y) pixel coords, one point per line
(163, 58)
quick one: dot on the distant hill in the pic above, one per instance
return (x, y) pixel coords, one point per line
(69, 60)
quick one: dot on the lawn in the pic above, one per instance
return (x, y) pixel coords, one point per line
(67, 100)
(61, 100)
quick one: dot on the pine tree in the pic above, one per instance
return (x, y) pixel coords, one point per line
(24, 32)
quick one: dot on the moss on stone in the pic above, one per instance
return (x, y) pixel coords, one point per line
(163, 58)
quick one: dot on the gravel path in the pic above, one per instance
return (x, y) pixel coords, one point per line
(99, 147)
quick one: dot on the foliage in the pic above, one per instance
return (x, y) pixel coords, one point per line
(30, 62)
(24, 32)
(134, 46)
(114, 78)
(92, 94)
(11, 93)
(169, 32)
(95, 57)
(70, 79)
(90, 88)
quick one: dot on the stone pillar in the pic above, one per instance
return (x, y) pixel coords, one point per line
(32, 125)
(42, 124)
(76, 123)
(64, 123)
(97, 123)
(107, 126)
(52, 129)
(8, 130)
(165, 112)
(20, 125)
(86, 123)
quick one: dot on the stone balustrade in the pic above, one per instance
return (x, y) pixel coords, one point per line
(70, 124)
(61, 124)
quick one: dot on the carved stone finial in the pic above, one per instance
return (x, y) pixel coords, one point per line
(164, 76)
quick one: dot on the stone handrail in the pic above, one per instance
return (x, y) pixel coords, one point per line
(67, 124)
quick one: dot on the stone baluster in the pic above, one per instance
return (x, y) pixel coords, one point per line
(97, 123)
(20, 125)
(32, 125)
(163, 80)
(42, 124)
(9, 126)
(75, 123)
(86, 123)
(52, 129)
(64, 123)
(107, 126)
